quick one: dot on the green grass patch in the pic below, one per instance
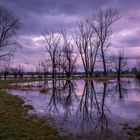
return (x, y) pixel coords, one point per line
(17, 124)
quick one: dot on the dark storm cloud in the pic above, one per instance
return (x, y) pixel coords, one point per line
(42, 15)
(54, 6)
(38, 15)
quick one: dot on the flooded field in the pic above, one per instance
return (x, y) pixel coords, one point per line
(85, 109)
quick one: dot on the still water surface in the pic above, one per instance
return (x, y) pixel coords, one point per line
(87, 109)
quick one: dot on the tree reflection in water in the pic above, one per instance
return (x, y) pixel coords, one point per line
(61, 96)
(92, 110)
(88, 110)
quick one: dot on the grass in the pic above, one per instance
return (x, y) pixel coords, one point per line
(17, 124)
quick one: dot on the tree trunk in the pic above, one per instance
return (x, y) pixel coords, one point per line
(104, 63)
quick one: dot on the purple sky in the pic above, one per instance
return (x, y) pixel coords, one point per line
(43, 15)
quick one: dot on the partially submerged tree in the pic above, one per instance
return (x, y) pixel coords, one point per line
(118, 62)
(68, 57)
(101, 25)
(84, 41)
(53, 42)
(60, 54)
(92, 39)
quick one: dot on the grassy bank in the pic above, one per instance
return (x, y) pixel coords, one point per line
(17, 124)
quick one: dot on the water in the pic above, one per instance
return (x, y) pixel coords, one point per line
(87, 109)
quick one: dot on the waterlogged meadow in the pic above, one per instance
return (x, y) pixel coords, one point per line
(85, 109)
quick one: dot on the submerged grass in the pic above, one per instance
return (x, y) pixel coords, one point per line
(17, 124)
(5, 83)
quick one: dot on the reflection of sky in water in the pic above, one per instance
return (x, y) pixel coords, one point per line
(72, 114)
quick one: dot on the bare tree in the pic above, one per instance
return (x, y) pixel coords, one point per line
(6, 66)
(68, 57)
(119, 62)
(45, 67)
(85, 43)
(38, 67)
(53, 42)
(20, 71)
(9, 25)
(17, 70)
(39, 70)
(101, 24)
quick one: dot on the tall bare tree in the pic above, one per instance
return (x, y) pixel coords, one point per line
(68, 57)
(9, 25)
(87, 47)
(53, 43)
(101, 24)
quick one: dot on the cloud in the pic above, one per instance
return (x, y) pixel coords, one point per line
(38, 15)
(44, 15)
(127, 38)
